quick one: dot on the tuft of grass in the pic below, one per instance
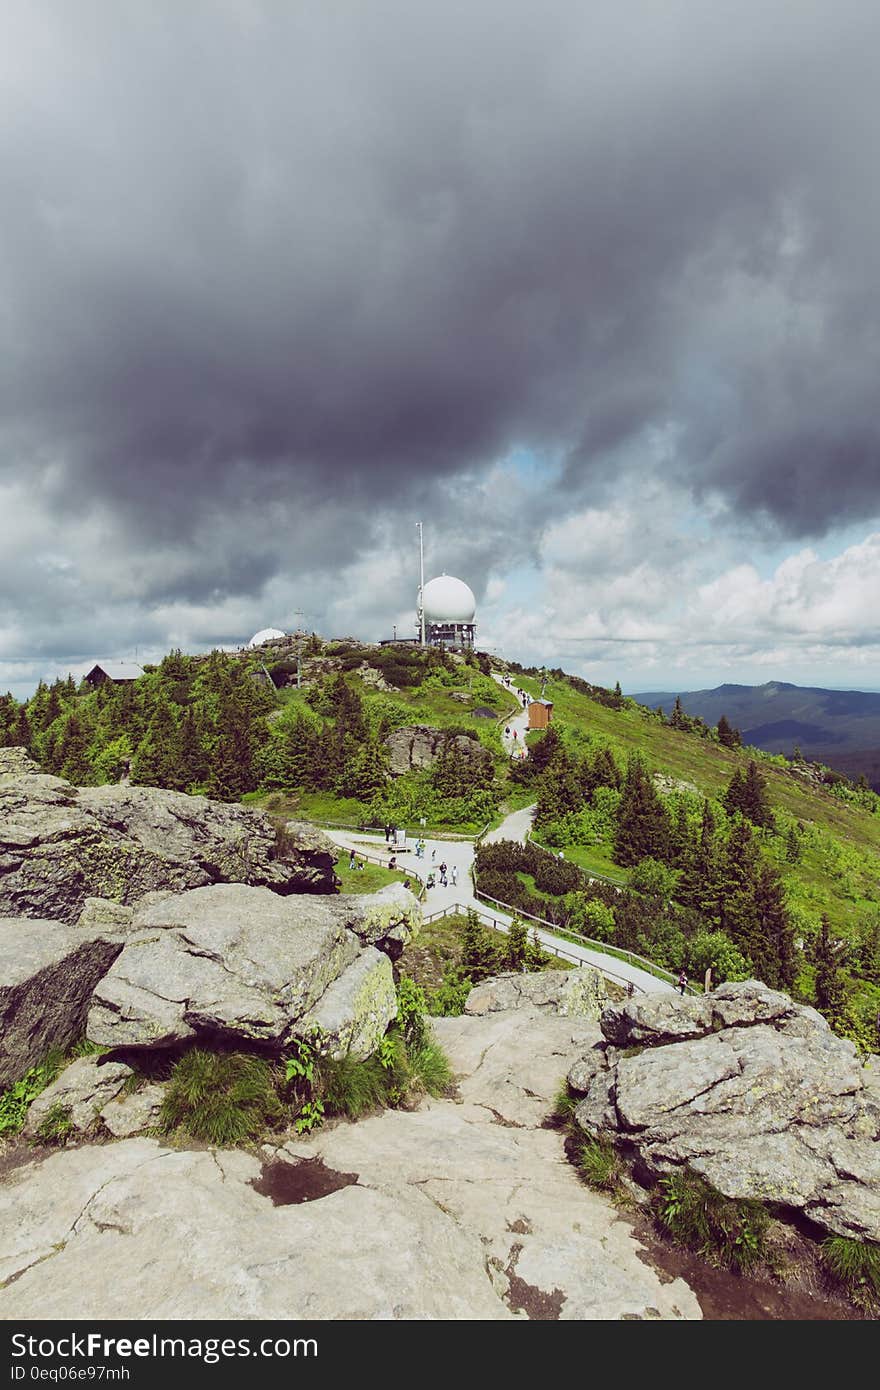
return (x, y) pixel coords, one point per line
(429, 1068)
(598, 1164)
(724, 1231)
(352, 1087)
(564, 1104)
(856, 1265)
(223, 1098)
(56, 1126)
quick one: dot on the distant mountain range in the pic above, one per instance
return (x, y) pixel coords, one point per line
(837, 727)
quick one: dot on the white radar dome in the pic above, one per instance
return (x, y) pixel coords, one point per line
(266, 634)
(448, 600)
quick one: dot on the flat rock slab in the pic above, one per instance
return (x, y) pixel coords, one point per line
(570, 993)
(450, 1212)
(81, 1090)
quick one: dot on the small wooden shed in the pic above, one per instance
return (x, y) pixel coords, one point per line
(540, 714)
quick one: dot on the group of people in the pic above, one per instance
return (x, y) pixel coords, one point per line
(354, 862)
(446, 874)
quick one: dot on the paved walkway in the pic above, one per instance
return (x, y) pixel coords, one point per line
(460, 853)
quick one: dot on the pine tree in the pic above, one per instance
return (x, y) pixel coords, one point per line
(72, 752)
(192, 763)
(678, 719)
(755, 798)
(733, 799)
(773, 950)
(792, 845)
(828, 955)
(697, 885)
(517, 945)
(155, 763)
(728, 737)
(643, 824)
(479, 955)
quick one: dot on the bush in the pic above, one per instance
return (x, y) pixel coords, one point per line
(724, 1231)
(222, 1097)
(352, 1087)
(451, 995)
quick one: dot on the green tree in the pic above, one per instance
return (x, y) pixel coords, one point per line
(517, 945)
(643, 823)
(479, 955)
(728, 736)
(828, 955)
(156, 761)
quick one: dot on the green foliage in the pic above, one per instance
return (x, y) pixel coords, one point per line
(517, 945)
(411, 1010)
(598, 1163)
(429, 1068)
(16, 1100)
(222, 1098)
(564, 1104)
(653, 878)
(643, 829)
(856, 1265)
(451, 995)
(724, 1231)
(352, 1087)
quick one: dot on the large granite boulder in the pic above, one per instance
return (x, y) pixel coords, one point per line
(47, 974)
(571, 993)
(233, 963)
(60, 845)
(749, 1090)
(354, 1013)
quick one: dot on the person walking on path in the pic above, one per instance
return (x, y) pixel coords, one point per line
(455, 875)
(682, 981)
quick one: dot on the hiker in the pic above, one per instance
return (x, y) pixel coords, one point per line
(507, 731)
(630, 990)
(429, 882)
(406, 883)
(392, 862)
(682, 981)
(515, 735)
(455, 875)
(387, 833)
(352, 860)
(433, 855)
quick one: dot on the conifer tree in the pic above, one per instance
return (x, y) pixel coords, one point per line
(828, 955)
(728, 736)
(479, 955)
(517, 945)
(643, 823)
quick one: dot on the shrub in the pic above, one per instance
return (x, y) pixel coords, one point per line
(222, 1097)
(724, 1231)
(855, 1264)
(451, 995)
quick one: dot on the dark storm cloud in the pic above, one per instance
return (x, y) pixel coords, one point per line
(269, 270)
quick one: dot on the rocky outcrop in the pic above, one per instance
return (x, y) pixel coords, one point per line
(80, 1091)
(569, 993)
(417, 746)
(233, 963)
(461, 1210)
(125, 1115)
(60, 845)
(353, 1014)
(47, 974)
(747, 1089)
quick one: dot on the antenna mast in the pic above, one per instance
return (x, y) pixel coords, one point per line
(421, 585)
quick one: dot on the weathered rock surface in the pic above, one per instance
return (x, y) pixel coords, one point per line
(746, 1088)
(47, 974)
(60, 845)
(353, 1014)
(232, 962)
(81, 1089)
(102, 915)
(416, 746)
(457, 1211)
(570, 993)
(125, 1115)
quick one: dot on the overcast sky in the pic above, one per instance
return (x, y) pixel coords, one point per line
(591, 288)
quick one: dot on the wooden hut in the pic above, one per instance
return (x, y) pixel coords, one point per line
(540, 714)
